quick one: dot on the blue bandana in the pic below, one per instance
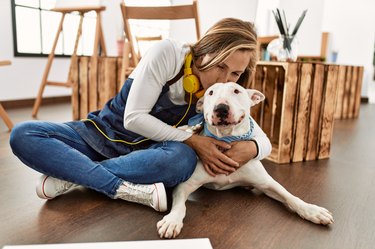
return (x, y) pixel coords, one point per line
(199, 119)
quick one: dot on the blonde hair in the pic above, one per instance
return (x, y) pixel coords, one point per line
(223, 39)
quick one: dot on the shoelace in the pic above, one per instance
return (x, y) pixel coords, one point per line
(63, 186)
(139, 193)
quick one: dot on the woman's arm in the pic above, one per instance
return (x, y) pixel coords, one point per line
(157, 66)
(209, 151)
(263, 143)
(258, 148)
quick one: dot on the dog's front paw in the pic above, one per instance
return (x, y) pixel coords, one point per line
(170, 226)
(315, 214)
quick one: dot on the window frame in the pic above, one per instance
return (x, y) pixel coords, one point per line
(16, 53)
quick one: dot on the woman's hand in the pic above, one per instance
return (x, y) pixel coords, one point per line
(242, 151)
(214, 161)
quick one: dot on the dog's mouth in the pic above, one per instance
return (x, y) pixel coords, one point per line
(225, 122)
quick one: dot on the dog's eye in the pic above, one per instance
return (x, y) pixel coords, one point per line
(236, 91)
(211, 92)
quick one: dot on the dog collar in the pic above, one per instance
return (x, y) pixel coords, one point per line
(228, 139)
(199, 119)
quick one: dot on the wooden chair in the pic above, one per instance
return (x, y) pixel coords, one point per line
(99, 42)
(177, 12)
(141, 39)
(3, 113)
(5, 117)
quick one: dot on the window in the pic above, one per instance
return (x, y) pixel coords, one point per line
(35, 27)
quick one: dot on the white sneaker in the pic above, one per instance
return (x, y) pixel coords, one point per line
(48, 187)
(152, 195)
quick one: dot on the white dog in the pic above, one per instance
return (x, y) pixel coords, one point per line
(226, 109)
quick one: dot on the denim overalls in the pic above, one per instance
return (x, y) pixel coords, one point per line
(110, 121)
(76, 151)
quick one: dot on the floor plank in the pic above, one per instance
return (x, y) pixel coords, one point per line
(235, 218)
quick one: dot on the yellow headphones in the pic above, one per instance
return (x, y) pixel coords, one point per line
(191, 82)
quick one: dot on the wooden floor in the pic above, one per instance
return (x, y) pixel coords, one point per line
(237, 218)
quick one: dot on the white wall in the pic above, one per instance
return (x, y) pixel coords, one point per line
(264, 21)
(211, 11)
(351, 24)
(309, 33)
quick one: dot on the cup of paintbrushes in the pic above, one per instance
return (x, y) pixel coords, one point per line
(284, 48)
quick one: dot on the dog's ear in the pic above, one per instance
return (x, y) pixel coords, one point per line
(255, 96)
(199, 105)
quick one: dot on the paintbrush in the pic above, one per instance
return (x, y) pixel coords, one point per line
(283, 31)
(299, 23)
(284, 27)
(278, 22)
(285, 24)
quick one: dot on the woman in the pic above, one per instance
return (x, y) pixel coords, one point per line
(131, 149)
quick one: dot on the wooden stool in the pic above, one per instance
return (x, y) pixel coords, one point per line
(3, 113)
(98, 42)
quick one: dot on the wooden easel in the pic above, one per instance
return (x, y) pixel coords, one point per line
(98, 43)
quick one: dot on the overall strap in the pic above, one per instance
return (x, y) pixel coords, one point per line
(177, 77)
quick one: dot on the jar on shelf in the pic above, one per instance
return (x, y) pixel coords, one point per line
(284, 48)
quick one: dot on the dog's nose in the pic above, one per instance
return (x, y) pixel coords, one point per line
(221, 110)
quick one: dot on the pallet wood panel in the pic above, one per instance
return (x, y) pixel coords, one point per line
(348, 81)
(268, 104)
(315, 110)
(302, 115)
(358, 84)
(326, 127)
(257, 83)
(83, 87)
(299, 107)
(287, 114)
(349, 92)
(353, 92)
(92, 87)
(340, 92)
(96, 80)
(74, 74)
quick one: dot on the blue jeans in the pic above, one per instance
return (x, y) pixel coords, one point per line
(58, 150)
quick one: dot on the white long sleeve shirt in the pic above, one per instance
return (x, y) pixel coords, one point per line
(160, 64)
